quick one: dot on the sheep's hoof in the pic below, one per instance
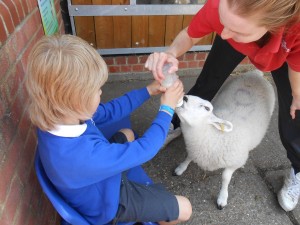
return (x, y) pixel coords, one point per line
(174, 174)
(220, 207)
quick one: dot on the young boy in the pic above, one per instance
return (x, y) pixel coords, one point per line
(64, 79)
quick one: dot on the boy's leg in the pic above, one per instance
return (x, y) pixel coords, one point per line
(185, 211)
(289, 130)
(144, 203)
(122, 136)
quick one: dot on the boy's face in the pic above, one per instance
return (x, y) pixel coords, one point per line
(95, 102)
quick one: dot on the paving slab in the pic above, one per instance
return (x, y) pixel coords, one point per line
(252, 191)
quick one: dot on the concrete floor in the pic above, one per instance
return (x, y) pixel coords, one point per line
(252, 191)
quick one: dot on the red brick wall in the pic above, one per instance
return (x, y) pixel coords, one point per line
(135, 63)
(21, 199)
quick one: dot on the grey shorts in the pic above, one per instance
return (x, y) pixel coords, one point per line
(145, 203)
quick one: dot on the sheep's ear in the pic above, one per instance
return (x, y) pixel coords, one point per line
(220, 124)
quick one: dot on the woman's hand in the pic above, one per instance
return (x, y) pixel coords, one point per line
(294, 78)
(156, 61)
(295, 106)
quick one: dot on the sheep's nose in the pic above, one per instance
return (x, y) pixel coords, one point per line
(185, 99)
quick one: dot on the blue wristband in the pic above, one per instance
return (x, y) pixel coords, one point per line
(167, 109)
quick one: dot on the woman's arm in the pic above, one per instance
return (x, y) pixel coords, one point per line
(295, 85)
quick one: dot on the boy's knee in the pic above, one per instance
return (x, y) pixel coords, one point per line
(128, 133)
(185, 208)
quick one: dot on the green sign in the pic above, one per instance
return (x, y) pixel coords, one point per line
(48, 15)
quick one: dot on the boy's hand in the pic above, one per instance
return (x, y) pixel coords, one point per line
(173, 94)
(155, 88)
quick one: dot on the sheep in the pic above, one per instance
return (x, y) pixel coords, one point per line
(247, 101)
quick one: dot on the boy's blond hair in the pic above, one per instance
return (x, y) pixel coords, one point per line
(64, 74)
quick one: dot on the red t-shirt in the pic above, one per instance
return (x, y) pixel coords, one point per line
(280, 48)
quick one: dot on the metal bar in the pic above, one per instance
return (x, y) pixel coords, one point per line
(132, 10)
(126, 51)
(71, 18)
(132, 2)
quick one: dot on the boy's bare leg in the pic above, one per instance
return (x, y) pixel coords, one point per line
(185, 211)
(128, 133)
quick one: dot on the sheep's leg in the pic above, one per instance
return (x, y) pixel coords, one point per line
(223, 195)
(182, 166)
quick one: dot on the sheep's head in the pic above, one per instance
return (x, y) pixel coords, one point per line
(195, 110)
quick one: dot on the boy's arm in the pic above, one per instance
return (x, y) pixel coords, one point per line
(100, 159)
(120, 107)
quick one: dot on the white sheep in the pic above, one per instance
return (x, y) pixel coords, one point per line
(247, 101)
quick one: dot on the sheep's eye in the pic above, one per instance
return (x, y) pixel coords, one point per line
(205, 107)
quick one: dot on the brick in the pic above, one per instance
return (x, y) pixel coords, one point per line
(24, 125)
(7, 18)
(13, 199)
(31, 23)
(201, 64)
(8, 167)
(189, 57)
(138, 68)
(22, 215)
(20, 9)
(17, 110)
(4, 102)
(4, 62)
(114, 69)
(3, 34)
(126, 68)
(132, 60)
(25, 7)
(15, 45)
(13, 11)
(182, 65)
(32, 4)
(7, 129)
(29, 47)
(181, 58)
(142, 59)
(49, 216)
(201, 56)
(120, 60)
(193, 64)
(109, 60)
(14, 79)
(26, 159)
(2, 109)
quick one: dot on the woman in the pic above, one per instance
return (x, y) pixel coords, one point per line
(268, 32)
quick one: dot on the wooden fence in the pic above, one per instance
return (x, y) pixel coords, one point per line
(106, 32)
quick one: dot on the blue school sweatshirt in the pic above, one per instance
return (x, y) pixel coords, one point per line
(86, 169)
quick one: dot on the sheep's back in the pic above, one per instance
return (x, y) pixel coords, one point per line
(247, 101)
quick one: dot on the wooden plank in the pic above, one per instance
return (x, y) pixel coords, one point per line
(186, 20)
(140, 29)
(122, 27)
(85, 25)
(104, 27)
(157, 30)
(173, 27)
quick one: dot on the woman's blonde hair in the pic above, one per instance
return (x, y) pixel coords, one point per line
(272, 14)
(64, 74)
